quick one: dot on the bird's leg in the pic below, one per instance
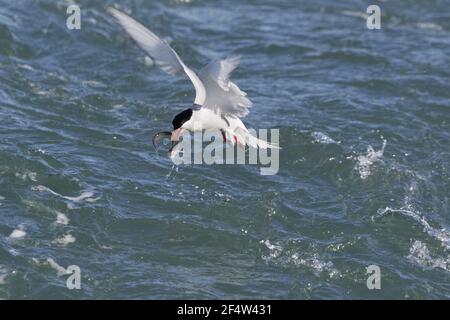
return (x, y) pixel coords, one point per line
(223, 135)
(238, 142)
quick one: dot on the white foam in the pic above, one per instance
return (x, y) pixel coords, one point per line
(3, 274)
(65, 240)
(18, 233)
(420, 254)
(61, 218)
(60, 271)
(358, 14)
(316, 264)
(148, 61)
(27, 175)
(320, 137)
(429, 26)
(117, 107)
(365, 162)
(86, 195)
(275, 250)
(26, 67)
(13, 252)
(94, 84)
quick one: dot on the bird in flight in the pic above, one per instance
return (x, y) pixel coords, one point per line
(219, 103)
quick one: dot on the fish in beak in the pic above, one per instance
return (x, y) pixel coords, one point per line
(174, 136)
(159, 137)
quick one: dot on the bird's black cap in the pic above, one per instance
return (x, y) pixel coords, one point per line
(181, 118)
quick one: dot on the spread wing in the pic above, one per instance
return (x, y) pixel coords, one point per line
(222, 95)
(163, 55)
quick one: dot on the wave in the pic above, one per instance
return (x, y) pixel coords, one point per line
(86, 196)
(10, 47)
(441, 235)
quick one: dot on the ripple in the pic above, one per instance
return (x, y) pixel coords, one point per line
(86, 196)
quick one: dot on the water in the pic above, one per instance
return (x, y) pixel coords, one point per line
(364, 119)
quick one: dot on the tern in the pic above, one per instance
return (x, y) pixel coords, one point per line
(219, 103)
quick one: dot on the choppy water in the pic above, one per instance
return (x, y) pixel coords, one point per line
(364, 119)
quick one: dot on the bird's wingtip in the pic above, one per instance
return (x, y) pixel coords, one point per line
(114, 12)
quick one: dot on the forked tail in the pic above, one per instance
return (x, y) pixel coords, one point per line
(244, 138)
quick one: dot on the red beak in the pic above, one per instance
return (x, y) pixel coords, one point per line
(176, 134)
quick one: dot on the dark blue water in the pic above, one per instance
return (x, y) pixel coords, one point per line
(364, 120)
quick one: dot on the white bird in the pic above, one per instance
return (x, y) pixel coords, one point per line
(219, 103)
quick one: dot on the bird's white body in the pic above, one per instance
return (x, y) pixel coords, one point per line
(219, 103)
(204, 119)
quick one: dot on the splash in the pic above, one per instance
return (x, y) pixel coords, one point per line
(420, 254)
(61, 218)
(365, 162)
(312, 262)
(320, 137)
(315, 263)
(18, 233)
(65, 240)
(275, 250)
(174, 168)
